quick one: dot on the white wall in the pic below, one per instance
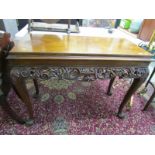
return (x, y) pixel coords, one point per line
(11, 26)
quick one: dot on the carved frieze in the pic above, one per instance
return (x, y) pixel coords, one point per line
(79, 73)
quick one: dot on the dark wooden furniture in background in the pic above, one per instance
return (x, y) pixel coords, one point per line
(146, 30)
(5, 82)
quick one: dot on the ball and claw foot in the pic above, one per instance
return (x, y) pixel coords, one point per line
(29, 122)
(36, 96)
(121, 115)
(109, 94)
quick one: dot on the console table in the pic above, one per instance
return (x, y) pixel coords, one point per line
(76, 57)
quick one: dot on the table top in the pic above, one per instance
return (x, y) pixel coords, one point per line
(70, 45)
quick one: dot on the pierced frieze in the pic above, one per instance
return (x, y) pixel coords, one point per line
(79, 73)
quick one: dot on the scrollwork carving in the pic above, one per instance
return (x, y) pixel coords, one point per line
(79, 73)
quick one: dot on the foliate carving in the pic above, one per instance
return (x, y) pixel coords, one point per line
(79, 73)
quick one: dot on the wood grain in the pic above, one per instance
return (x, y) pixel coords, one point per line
(82, 45)
(44, 50)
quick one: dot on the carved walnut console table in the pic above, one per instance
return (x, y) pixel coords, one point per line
(49, 56)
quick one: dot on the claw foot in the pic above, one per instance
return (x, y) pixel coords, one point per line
(29, 122)
(121, 115)
(109, 94)
(36, 96)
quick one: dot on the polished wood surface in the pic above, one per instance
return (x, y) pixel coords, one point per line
(43, 50)
(70, 45)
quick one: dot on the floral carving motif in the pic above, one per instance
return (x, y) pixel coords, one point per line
(80, 73)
